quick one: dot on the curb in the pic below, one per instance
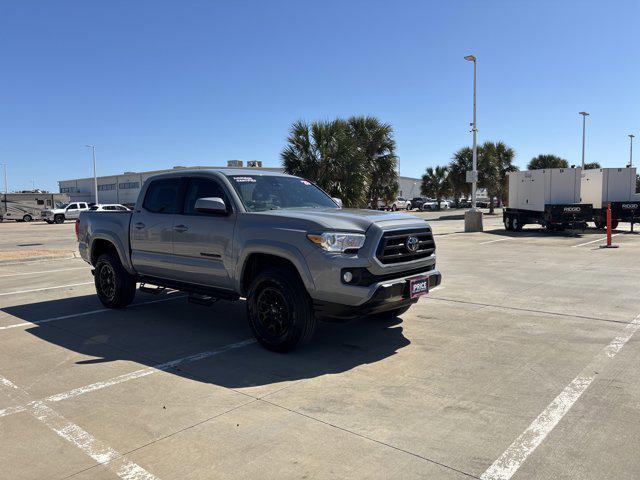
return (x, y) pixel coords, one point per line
(67, 256)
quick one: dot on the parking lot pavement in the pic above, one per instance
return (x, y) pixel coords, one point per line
(523, 364)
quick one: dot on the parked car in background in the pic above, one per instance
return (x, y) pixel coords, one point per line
(111, 207)
(432, 204)
(429, 204)
(65, 212)
(464, 203)
(417, 202)
(399, 203)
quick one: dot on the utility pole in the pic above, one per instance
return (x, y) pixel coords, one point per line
(584, 129)
(473, 217)
(95, 178)
(6, 188)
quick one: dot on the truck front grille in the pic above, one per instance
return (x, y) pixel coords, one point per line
(394, 248)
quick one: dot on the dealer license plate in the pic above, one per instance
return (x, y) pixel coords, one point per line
(418, 287)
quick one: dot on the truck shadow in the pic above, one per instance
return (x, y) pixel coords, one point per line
(154, 333)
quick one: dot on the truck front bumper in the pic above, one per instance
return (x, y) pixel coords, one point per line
(387, 296)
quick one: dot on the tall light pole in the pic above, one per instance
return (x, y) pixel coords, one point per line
(631, 136)
(95, 178)
(6, 188)
(473, 218)
(6, 185)
(584, 129)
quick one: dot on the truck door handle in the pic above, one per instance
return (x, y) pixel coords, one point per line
(181, 228)
(139, 225)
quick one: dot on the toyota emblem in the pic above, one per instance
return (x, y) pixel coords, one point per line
(412, 243)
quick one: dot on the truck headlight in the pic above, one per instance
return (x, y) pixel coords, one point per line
(338, 242)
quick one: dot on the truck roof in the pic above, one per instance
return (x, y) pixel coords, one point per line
(229, 172)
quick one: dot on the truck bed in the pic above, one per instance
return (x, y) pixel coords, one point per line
(111, 226)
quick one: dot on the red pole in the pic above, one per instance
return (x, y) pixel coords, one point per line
(609, 225)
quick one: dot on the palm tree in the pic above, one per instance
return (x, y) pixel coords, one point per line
(502, 158)
(435, 183)
(547, 161)
(461, 162)
(374, 141)
(326, 153)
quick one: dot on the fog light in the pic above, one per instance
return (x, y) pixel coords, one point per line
(347, 277)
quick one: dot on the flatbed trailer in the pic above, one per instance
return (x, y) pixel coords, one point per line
(548, 197)
(602, 187)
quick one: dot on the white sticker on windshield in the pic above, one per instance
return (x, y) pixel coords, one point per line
(244, 179)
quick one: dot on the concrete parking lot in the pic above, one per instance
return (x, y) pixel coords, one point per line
(523, 364)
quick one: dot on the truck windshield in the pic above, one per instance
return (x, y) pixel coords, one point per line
(266, 192)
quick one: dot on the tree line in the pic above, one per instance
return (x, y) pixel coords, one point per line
(355, 160)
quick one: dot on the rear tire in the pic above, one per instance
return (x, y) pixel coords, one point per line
(116, 288)
(516, 225)
(279, 310)
(27, 218)
(393, 207)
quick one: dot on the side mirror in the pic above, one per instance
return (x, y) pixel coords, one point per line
(210, 205)
(338, 201)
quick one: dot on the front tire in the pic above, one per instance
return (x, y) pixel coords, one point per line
(58, 219)
(507, 223)
(116, 288)
(279, 310)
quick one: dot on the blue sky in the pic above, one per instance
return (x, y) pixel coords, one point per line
(156, 84)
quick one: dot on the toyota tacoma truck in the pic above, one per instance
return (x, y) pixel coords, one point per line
(276, 240)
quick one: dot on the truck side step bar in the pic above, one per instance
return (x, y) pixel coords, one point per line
(152, 290)
(200, 293)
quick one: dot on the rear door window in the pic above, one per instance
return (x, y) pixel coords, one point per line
(164, 196)
(73, 206)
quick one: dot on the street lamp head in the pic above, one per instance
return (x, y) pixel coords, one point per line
(470, 58)
(584, 114)
(631, 135)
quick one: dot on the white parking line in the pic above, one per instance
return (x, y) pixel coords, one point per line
(143, 372)
(494, 241)
(77, 436)
(44, 271)
(513, 458)
(81, 314)
(46, 288)
(597, 240)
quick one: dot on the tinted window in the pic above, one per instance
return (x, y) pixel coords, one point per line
(40, 202)
(73, 206)
(267, 192)
(202, 188)
(163, 196)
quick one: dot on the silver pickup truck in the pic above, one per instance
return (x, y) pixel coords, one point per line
(277, 240)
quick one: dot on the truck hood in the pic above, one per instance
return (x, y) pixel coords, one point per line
(350, 219)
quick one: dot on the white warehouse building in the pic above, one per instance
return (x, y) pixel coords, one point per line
(124, 188)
